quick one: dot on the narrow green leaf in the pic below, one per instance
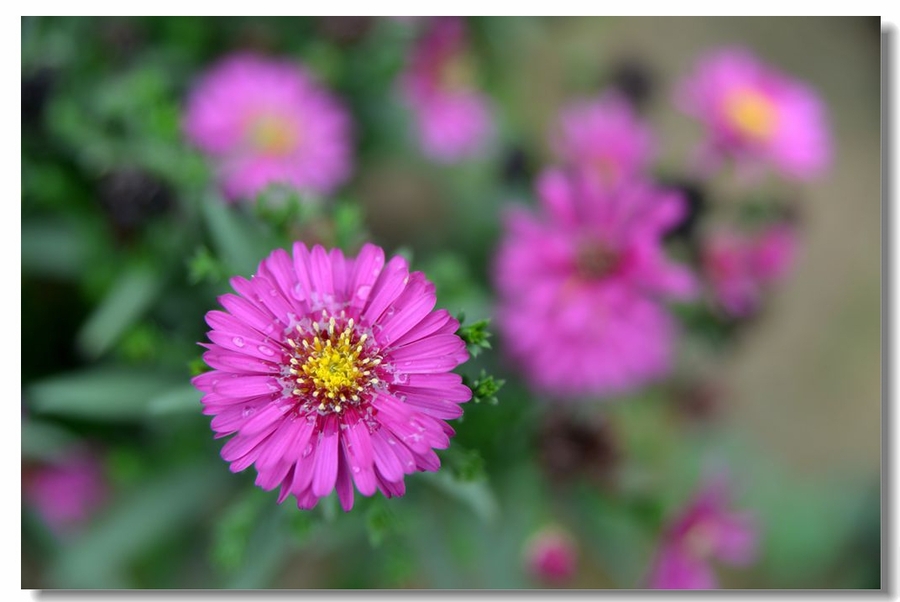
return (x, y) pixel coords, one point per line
(179, 400)
(477, 495)
(130, 297)
(236, 244)
(100, 394)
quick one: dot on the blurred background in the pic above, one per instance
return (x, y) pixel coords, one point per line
(121, 259)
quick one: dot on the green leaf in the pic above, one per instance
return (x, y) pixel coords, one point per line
(477, 495)
(380, 522)
(179, 400)
(233, 528)
(130, 297)
(162, 507)
(51, 249)
(100, 394)
(42, 441)
(237, 245)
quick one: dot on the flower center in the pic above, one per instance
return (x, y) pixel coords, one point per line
(701, 539)
(595, 260)
(332, 365)
(751, 113)
(457, 74)
(272, 135)
(606, 169)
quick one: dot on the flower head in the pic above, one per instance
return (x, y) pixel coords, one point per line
(551, 555)
(453, 117)
(757, 115)
(65, 493)
(579, 285)
(332, 372)
(604, 139)
(265, 121)
(705, 530)
(740, 266)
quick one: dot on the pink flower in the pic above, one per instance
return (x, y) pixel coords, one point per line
(579, 284)
(332, 371)
(453, 118)
(604, 139)
(265, 121)
(740, 266)
(704, 531)
(551, 556)
(67, 492)
(757, 115)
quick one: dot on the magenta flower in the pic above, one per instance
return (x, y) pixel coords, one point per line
(66, 493)
(740, 266)
(331, 372)
(756, 115)
(579, 285)
(453, 118)
(604, 139)
(265, 121)
(551, 556)
(706, 530)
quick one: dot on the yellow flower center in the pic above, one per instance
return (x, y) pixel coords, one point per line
(332, 366)
(751, 113)
(272, 135)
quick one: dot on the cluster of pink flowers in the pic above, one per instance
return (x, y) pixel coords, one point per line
(551, 556)
(332, 372)
(266, 121)
(453, 117)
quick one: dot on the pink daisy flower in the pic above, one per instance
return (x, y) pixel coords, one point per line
(740, 266)
(332, 372)
(551, 556)
(453, 118)
(706, 530)
(266, 121)
(579, 283)
(66, 493)
(757, 115)
(604, 139)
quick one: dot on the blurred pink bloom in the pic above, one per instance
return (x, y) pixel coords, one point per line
(604, 139)
(706, 530)
(332, 372)
(579, 284)
(551, 556)
(453, 118)
(756, 115)
(67, 492)
(265, 121)
(739, 266)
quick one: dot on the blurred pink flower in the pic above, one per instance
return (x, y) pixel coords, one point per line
(551, 556)
(706, 530)
(332, 371)
(739, 266)
(604, 139)
(67, 492)
(757, 115)
(453, 118)
(579, 284)
(265, 121)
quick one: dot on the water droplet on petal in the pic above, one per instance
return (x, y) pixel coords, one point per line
(265, 350)
(308, 450)
(299, 293)
(248, 411)
(356, 469)
(238, 341)
(362, 293)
